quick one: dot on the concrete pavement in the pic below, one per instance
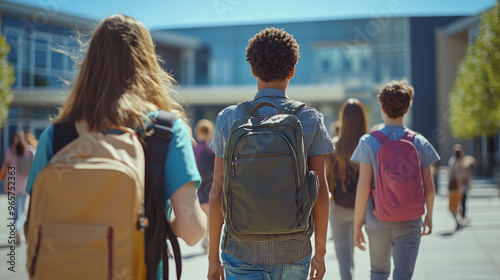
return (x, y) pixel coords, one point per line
(472, 253)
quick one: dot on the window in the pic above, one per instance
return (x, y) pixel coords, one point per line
(341, 60)
(39, 59)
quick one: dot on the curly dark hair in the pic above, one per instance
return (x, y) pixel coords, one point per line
(396, 98)
(272, 54)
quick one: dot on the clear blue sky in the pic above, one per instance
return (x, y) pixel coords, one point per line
(157, 14)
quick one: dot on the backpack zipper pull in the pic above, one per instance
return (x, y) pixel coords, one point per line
(142, 222)
(233, 167)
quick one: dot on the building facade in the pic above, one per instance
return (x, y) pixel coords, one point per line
(339, 59)
(452, 41)
(45, 51)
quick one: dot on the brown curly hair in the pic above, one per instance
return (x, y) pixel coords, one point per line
(272, 54)
(396, 98)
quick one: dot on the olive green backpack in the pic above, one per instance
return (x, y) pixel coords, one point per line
(268, 191)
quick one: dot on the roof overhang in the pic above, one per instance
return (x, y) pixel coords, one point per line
(220, 95)
(49, 15)
(199, 95)
(175, 40)
(460, 25)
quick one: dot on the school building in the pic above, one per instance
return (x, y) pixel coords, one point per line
(45, 51)
(340, 59)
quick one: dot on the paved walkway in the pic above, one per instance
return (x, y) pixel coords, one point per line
(472, 253)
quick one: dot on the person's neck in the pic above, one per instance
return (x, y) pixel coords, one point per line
(283, 85)
(395, 122)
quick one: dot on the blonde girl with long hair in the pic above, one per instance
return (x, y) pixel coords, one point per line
(342, 177)
(121, 84)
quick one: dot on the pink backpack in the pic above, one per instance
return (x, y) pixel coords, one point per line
(398, 194)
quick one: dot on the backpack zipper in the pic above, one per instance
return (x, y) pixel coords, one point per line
(292, 152)
(234, 163)
(110, 251)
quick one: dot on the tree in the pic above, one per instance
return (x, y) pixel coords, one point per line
(6, 79)
(475, 100)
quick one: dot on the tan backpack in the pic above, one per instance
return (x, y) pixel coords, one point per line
(98, 179)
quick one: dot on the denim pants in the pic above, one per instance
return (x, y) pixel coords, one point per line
(235, 269)
(20, 215)
(400, 242)
(342, 227)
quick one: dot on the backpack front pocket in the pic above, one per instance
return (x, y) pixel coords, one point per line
(73, 251)
(264, 202)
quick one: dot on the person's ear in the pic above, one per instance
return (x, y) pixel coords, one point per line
(292, 73)
(253, 73)
(409, 107)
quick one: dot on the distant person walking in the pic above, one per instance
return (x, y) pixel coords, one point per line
(396, 232)
(460, 177)
(342, 177)
(205, 158)
(15, 171)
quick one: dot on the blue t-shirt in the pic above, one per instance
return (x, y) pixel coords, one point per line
(180, 164)
(366, 152)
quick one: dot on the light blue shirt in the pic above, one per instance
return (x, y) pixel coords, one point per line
(366, 152)
(180, 164)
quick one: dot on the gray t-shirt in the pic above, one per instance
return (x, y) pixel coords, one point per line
(316, 142)
(366, 152)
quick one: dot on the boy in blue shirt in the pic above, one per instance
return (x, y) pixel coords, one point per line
(399, 239)
(272, 55)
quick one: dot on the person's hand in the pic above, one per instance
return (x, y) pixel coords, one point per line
(427, 225)
(215, 271)
(359, 239)
(318, 267)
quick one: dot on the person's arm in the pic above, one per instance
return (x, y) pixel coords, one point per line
(430, 193)
(188, 220)
(329, 165)
(362, 196)
(3, 172)
(215, 220)
(320, 210)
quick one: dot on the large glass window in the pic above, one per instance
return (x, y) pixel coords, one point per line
(39, 59)
(333, 62)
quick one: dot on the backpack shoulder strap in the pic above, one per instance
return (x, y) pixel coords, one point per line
(410, 135)
(156, 149)
(247, 106)
(380, 136)
(64, 133)
(292, 107)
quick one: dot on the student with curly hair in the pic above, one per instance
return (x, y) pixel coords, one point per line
(399, 239)
(272, 55)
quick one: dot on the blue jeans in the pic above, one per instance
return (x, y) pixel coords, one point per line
(400, 242)
(342, 225)
(235, 269)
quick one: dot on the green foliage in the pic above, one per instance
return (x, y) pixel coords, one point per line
(475, 100)
(6, 79)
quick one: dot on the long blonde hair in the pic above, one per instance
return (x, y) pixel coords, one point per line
(120, 79)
